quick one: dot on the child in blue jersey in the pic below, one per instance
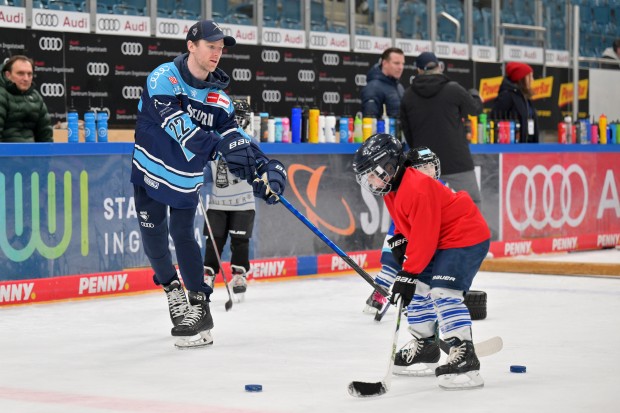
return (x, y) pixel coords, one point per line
(184, 121)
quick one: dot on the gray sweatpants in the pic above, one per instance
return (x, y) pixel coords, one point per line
(465, 181)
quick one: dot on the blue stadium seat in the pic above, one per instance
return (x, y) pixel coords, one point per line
(184, 15)
(192, 6)
(125, 9)
(101, 8)
(411, 22)
(219, 9)
(138, 4)
(318, 22)
(61, 5)
(291, 14)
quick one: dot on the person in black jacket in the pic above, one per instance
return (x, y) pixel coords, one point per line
(514, 101)
(382, 85)
(432, 113)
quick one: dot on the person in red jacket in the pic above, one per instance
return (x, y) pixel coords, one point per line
(444, 239)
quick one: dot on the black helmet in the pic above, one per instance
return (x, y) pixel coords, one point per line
(425, 160)
(379, 163)
(242, 113)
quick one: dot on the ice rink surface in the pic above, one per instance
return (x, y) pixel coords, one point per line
(304, 341)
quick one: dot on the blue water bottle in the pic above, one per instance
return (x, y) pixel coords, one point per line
(102, 126)
(73, 128)
(344, 129)
(380, 126)
(90, 129)
(296, 125)
(278, 130)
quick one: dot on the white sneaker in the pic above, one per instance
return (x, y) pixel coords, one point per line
(209, 276)
(239, 282)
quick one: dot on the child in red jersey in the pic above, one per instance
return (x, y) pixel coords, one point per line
(444, 239)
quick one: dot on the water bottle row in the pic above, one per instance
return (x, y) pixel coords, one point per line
(95, 126)
(588, 131)
(309, 125)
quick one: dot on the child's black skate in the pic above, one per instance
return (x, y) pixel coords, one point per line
(239, 280)
(209, 276)
(419, 357)
(195, 327)
(462, 369)
(177, 302)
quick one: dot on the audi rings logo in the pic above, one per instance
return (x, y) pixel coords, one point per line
(270, 56)
(330, 59)
(407, 48)
(168, 28)
(363, 44)
(131, 49)
(132, 92)
(514, 53)
(271, 96)
(46, 19)
(484, 54)
(318, 40)
(442, 49)
(243, 75)
(54, 90)
(540, 205)
(50, 43)
(360, 80)
(331, 97)
(109, 25)
(272, 37)
(97, 69)
(305, 75)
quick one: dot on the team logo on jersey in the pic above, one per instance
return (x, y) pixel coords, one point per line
(173, 80)
(218, 99)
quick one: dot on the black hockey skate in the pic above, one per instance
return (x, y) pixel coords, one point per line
(177, 302)
(209, 276)
(419, 357)
(239, 280)
(195, 327)
(462, 369)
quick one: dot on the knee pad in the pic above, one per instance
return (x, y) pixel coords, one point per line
(439, 293)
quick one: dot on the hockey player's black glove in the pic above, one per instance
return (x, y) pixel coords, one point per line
(239, 156)
(398, 245)
(272, 181)
(404, 287)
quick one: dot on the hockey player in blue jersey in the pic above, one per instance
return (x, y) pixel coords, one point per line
(185, 119)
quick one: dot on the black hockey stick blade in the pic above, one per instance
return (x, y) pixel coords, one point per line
(363, 389)
(380, 314)
(228, 304)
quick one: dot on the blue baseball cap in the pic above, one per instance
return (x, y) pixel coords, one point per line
(426, 61)
(209, 31)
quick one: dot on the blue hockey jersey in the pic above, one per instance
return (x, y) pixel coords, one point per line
(180, 121)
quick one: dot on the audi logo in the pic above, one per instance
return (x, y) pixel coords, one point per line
(543, 211)
(515, 53)
(272, 37)
(270, 56)
(131, 49)
(484, 54)
(305, 75)
(52, 90)
(331, 97)
(109, 25)
(46, 19)
(50, 43)
(97, 69)
(330, 59)
(442, 49)
(132, 92)
(406, 47)
(168, 28)
(318, 40)
(363, 44)
(271, 96)
(360, 80)
(244, 75)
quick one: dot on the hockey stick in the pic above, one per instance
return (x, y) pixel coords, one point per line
(363, 389)
(380, 314)
(229, 303)
(334, 247)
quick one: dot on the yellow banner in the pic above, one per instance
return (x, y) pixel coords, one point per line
(489, 88)
(566, 92)
(542, 88)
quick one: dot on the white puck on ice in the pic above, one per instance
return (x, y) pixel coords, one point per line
(517, 369)
(253, 387)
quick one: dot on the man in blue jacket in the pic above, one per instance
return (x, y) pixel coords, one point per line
(382, 85)
(184, 121)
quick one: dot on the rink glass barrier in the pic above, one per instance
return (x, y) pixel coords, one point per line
(68, 225)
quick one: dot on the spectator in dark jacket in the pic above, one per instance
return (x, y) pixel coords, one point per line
(23, 114)
(514, 101)
(613, 55)
(432, 113)
(382, 85)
